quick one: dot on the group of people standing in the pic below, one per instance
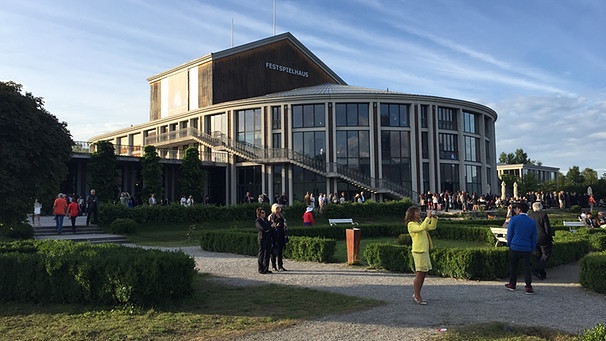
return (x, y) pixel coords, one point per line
(71, 207)
(272, 239)
(527, 234)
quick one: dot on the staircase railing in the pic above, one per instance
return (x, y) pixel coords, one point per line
(257, 154)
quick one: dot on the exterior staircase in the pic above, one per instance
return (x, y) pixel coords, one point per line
(256, 154)
(93, 233)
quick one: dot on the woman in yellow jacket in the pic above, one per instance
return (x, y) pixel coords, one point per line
(421, 244)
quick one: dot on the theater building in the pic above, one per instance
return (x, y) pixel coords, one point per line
(270, 117)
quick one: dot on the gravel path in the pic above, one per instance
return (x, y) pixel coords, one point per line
(560, 302)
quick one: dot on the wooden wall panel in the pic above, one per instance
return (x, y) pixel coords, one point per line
(205, 88)
(246, 74)
(154, 101)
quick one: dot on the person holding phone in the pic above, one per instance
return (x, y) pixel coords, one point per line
(421, 244)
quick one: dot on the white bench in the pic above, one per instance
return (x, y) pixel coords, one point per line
(500, 233)
(573, 225)
(334, 222)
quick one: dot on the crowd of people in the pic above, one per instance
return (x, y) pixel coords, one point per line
(71, 206)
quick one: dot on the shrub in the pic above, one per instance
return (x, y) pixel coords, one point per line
(575, 209)
(597, 333)
(17, 231)
(123, 226)
(592, 272)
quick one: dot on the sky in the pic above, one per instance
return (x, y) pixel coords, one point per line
(540, 64)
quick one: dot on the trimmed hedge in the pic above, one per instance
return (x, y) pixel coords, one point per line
(468, 263)
(18, 231)
(84, 273)
(178, 214)
(592, 274)
(245, 243)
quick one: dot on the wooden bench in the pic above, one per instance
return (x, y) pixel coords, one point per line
(573, 225)
(334, 222)
(500, 234)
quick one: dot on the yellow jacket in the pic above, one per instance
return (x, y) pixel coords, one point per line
(421, 241)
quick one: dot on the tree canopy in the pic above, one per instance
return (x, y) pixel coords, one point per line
(516, 158)
(103, 170)
(193, 176)
(34, 151)
(151, 172)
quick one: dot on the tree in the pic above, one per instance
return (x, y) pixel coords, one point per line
(103, 170)
(590, 177)
(574, 178)
(34, 151)
(193, 176)
(519, 157)
(151, 172)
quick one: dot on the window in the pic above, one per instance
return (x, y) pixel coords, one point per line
(395, 155)
(276, 140)
(353, 149)
(424, 116)
(310, 143)
(424, 145)
(447, 118)
(276, 118)
(425, 178)
(470, 123)
(473, 181)
(394, 115)
(249, 126)
(351, 114)
(449, 177)
(308, 115)
(472, 152)
(448, 147)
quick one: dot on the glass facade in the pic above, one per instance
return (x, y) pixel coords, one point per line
(249, 126)
(473, 180)
(351, 114)
(353, 149)
(394, 115)
(308, 115)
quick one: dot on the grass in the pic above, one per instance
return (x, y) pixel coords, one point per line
(215, 312)
(497, 331)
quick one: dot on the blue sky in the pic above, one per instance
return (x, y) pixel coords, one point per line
(540, 64)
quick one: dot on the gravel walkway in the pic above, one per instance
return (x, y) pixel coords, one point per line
(560, 302)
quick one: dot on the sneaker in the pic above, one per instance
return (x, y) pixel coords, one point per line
(282, 269)
(510, 287)
(529, 290)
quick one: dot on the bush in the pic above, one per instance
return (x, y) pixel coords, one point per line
(592, 272)
(17, 231)
(123, 226)
(84, 273)
(575, 209)
(597, 333)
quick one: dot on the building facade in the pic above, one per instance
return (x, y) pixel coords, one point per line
(270, 117)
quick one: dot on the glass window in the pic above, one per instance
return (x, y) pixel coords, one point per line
(448, 146)
(308, 115)
(277, 140)
(447, 118)
(276, 118)
(353, 149)
(471, 149)
(473, 181)
(470, 123)
(424, 116)
(310, 143)
(425, 145)
(351, 114)
(394, 115)
(249, 126)
(449, 177)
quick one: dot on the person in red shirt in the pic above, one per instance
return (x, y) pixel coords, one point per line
(60, 211)
(74, 210)
(308, 217)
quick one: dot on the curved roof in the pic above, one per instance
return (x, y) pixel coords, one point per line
(329, 89)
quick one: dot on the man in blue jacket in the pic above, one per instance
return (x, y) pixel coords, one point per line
(522, 240)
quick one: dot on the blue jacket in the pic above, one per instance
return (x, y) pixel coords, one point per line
(522, 233)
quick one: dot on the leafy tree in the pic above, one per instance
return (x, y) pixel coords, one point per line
(590, 177)
(151, 172)
(519, 157)
(193, 176)
(574, 178)
(103, 170)
(529, 183)
(34, 151)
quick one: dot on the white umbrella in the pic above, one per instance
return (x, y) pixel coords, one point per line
(589, 191)
(515, 190)
(502, 190)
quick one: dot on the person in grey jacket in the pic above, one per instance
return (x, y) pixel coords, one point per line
(522, 240)
(542, 251)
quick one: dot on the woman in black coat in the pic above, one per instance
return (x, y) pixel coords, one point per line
(264, 239)
(280, 236)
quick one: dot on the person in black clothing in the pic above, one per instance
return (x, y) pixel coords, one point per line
(279, 228)
(544, 239)
(264, 238)
(91, 207)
